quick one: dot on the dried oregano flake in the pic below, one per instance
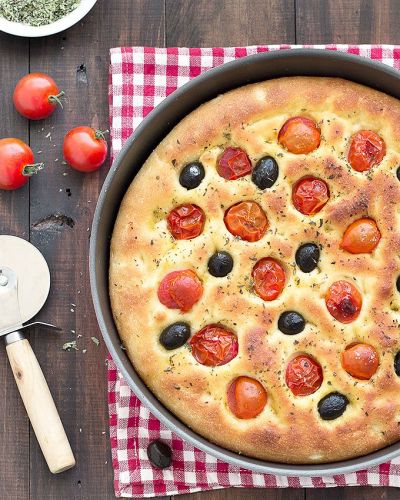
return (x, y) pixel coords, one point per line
(36, 12)
(95, 340)
(68, 346)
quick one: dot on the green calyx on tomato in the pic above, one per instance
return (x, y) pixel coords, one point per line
(56, 99)
(100, 134)
(34, 168)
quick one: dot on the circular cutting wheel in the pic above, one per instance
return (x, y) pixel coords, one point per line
(32, 272)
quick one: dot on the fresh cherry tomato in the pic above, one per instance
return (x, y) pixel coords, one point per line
(303, 375)
(362, 236)
(214, 345)
(16, 164)
(366, 150)
(246, 397)
(246, 220)
(310, 195)
(36, 96)
(299, 135)
(85, 149)
(180, 290)
(233, 163)
(269, 278)
(360, 361)
(186, 221)
(343, 301)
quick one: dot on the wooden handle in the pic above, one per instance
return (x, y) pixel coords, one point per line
(40, 407)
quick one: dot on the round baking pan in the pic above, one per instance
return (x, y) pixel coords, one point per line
(138, 147)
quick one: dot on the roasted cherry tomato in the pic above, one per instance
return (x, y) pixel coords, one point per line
(299, 135)
(269, 278)
(16, 164)
(233, 163)
(366, 150)
(343, 301)
(36, 96)
(310, 195)
(246, 220)
(303, 375)
(180, 290)
(362, 236)
(85, 149)
(186, 221)
(360, 361)
(214, 345)
(246, 397)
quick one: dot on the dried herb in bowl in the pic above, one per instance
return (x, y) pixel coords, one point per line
(36, 12)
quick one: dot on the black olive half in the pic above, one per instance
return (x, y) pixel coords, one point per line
(397, 364)
(307, 257)
(160, 454)
(291, 323)
(398, 283)
(332, 406)
(398, 173)
(175, 335)
(191, 175)
(220, 264)
(265, 172)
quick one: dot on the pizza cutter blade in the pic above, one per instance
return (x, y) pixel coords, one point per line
(24, 287)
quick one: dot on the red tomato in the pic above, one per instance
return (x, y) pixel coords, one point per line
(186, 221)
(16, 164)
(343, 301)
(180, 290)
(214, 345)
(269, 278)
(310, 195)
(366, 150)
(299, 135)
(85, 149)
(36, 96)
(246, 220)
(362, 236)
(303, 375)
(360, 361)
(233, 163)
(246, 397)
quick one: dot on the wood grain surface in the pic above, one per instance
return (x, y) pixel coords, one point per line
(55, 211)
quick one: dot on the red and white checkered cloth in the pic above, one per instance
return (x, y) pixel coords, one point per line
(140, 78)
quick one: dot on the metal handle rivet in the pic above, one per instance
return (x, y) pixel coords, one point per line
(3, 280)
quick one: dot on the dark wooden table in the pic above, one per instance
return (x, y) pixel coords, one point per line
(55, 211)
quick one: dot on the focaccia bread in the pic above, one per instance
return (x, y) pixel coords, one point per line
(299, 361)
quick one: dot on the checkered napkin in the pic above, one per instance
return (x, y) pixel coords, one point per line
(140, 78)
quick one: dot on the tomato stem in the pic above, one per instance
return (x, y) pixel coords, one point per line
(100, 134)
(56, 99)
(31, 169)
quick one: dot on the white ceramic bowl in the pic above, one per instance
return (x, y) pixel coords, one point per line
(62, 24)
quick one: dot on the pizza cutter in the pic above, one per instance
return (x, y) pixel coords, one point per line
(24, 287)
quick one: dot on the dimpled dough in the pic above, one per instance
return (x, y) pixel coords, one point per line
(289, 429)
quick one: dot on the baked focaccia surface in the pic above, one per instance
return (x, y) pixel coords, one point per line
(289, 429)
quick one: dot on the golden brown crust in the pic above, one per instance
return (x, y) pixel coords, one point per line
(142, 252)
